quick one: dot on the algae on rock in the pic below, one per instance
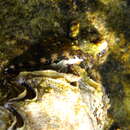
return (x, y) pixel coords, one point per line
(41, 34)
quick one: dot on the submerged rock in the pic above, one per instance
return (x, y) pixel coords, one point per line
(41, 39)
(63, 101)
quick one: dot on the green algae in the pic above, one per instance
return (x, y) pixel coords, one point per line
(118, 87)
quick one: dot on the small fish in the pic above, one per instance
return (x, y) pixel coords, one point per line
(70, 61)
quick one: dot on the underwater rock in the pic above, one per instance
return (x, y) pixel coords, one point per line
(63, 101)
(49, 37)
(5, 118)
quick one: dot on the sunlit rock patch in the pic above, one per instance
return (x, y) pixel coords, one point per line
(56, 112)
(61, 104)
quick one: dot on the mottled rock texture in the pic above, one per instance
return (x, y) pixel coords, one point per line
(47, 35)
